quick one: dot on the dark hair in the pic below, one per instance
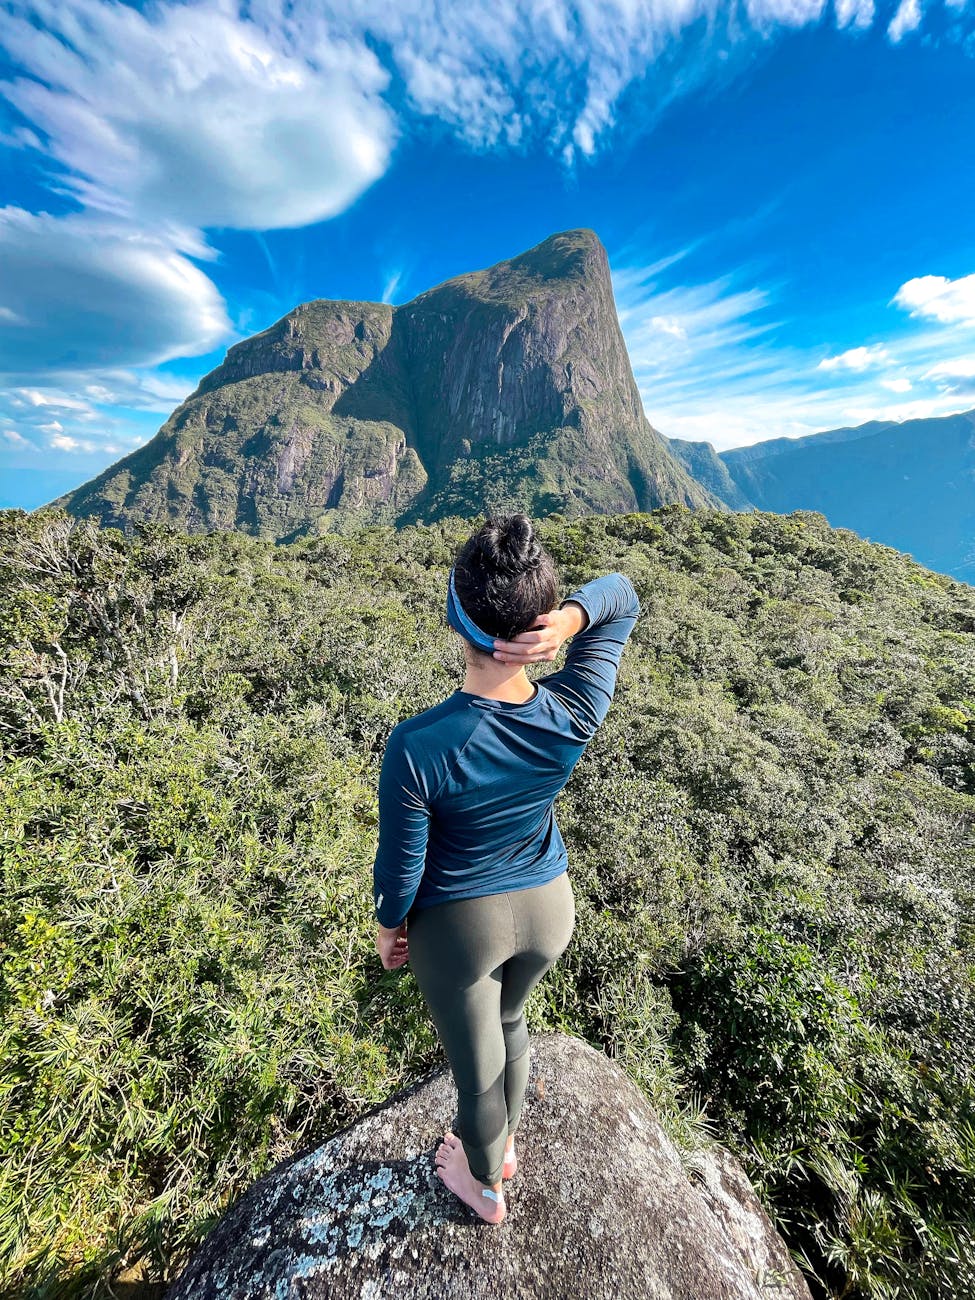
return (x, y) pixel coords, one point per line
(504, 577)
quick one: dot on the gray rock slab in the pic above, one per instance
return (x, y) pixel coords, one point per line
(603, 1207)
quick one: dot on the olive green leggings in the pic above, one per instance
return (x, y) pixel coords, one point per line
(476, 960)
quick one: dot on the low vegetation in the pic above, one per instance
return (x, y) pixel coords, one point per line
(771, 846)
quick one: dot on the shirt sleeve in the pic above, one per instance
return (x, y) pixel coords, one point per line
(586, 683)
(404, 824)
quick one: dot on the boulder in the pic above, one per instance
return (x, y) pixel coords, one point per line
(603, 1206)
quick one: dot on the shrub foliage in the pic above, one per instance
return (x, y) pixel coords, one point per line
(771, 845)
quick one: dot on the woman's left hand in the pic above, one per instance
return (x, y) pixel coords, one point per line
(392, 946)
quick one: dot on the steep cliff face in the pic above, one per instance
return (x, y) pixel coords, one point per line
(505, 388)
(265, 444)
(524, 391)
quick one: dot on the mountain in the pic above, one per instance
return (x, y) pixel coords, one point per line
(509, 387)
(706, 466)
(909, 485)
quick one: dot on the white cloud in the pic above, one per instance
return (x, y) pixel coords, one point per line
(790, 13)
(899, 384)
(136, 390)
(922, 408)
(520, 70)
(854, 13)
(92, 292)
(861, 358)
(938, 298)
(668, 325)
(34, 397)
(695, 317)
(197, 115)
(64, 443)
(957, 368)
(90, 420)
(741, 420)
(906, 19)
(712, 344)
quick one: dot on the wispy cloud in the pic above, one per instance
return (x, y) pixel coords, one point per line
(105, 423)
(712, 363)
(955, 368)
(854, 13)
(90, 291)
(196, 114)
(529, 72)
(393, 281)
(63, 442)
(906, 19)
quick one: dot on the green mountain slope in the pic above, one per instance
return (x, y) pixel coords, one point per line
(505, 387)
(703, 462)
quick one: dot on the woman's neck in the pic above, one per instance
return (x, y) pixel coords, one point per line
(499, 683)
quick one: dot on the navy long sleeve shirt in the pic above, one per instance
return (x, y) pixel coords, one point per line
(467, 788)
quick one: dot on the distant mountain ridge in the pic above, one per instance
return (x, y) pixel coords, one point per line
(508, 387)
(910, 485)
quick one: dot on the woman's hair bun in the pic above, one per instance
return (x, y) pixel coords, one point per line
(504, 576)
(514, 543)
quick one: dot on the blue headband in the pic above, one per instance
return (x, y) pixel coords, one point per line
(461, 623)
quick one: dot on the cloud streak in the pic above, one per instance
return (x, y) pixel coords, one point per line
(711, 365)
(907, 19)
(862, 358)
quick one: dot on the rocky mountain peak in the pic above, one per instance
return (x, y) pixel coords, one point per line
(505, 388)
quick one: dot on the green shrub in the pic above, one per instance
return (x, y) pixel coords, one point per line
(770, 844)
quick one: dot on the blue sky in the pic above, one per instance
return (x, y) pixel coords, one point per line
(785, 189)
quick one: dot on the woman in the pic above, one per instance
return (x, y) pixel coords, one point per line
(470, 876)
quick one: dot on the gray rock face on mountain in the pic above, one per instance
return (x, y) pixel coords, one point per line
(602, 1207)
(504, 388)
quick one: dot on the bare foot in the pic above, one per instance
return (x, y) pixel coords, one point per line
(453, 1169)
(510, 1159)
